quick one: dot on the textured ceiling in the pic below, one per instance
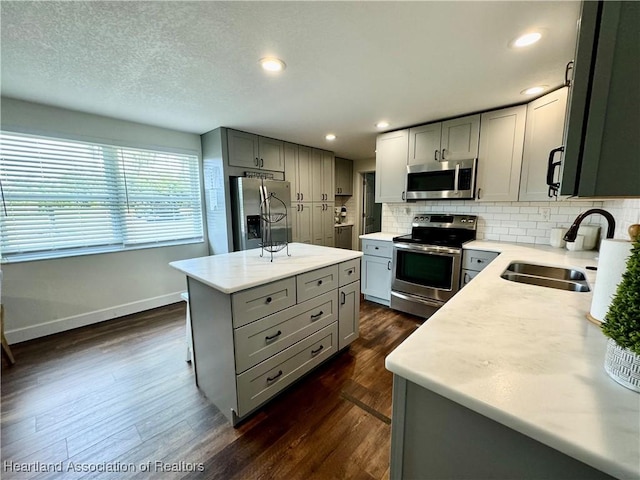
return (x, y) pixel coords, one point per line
(192, 66)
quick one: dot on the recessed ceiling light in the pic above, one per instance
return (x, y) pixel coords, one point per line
(534, 90)
(527, 39)
(330, 137)
(382, 124)
(272, 64)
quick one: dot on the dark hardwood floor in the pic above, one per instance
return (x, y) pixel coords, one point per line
(119, 396)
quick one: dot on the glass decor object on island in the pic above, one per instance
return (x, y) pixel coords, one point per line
(622, 323)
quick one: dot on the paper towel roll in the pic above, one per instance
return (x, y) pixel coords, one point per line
(612, 264)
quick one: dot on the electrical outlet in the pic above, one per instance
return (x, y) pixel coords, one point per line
(545, 213)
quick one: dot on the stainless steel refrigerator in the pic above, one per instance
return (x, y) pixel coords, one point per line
(261, 212)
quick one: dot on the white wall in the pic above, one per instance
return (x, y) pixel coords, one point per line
(49, 296)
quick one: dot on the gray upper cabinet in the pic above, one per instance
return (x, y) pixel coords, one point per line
(253, 151)
(344, 176)
(424, 143)
(602, 141)
(297, 161)
(391, 166)
(500, 155)
(322, 168)
(455, 139)
(544, 131)
(460, 136)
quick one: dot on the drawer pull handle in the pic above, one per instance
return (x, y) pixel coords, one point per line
(389, 265)
(350, 272)
(275, 377)
(316, 316)
(269, 299)
(317, 351)
(377, 248)
(319, 282)
(273, 337)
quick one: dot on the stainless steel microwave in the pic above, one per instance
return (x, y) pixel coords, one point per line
(453, 179)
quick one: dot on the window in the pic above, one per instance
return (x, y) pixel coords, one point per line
(63, 198)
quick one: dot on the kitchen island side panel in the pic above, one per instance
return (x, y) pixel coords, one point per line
(439, 439)
(212, 326)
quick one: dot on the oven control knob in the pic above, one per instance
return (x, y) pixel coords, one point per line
(464, 220)
(470, 220)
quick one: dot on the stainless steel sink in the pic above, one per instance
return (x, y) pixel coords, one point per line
(546, 276)
(546, 271)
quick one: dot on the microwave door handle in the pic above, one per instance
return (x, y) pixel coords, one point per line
(456, 178)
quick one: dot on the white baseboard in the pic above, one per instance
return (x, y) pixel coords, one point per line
(84, 319)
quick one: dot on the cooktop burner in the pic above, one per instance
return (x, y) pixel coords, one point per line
(442, 230)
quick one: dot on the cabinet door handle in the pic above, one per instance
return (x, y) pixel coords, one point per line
(298, 207)
(275, 377)
(403, 195)
(344, 298)
(256, 162)
(297, 196)
(273, 337)
(467, 279)
(317, 351)
(301, 207)
(551, 169)
(435, 155)
(389, 265)
(479, 192)
(302, 196)
(261, 163)
(443, 150)
(569, 67)
(316, 316)
(268, 300)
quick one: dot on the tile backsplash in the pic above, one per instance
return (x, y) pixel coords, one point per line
(521, 222)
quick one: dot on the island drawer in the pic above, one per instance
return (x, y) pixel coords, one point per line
(377, 248)
(263, 338)
(316, 282)
(349, 272)
(254, 303)
(258, 384)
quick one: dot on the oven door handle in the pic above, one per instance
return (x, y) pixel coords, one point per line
(414, 298)
(434, 249)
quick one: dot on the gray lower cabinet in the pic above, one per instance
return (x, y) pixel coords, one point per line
(250, 345)
(343, 236)
(434, 438)
(376, 270)
(473, 261)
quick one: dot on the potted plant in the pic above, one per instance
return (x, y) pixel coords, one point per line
(622, 326)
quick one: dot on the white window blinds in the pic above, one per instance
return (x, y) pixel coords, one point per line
(63, 198)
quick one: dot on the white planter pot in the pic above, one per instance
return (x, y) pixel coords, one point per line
(622, 365)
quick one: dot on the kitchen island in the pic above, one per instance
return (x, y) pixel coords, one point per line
(259, 325)
(506, 380)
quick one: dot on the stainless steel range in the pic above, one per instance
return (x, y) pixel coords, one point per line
(426, 263)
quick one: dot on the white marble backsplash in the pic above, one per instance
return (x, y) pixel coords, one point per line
(520, 222)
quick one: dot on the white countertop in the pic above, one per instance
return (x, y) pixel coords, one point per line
(387, 237)
(345, 224)
(232, 272)
(526, 356)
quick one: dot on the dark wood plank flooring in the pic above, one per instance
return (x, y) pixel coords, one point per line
(119, 395)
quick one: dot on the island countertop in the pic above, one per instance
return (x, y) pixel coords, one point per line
(527, 357)
(232, 272)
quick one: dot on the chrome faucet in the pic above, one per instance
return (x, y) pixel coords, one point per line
(571, 234)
